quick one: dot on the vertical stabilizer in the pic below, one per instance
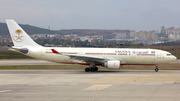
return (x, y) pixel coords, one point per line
(19, 36)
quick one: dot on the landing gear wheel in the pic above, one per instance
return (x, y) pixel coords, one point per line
(96, 69)
(92, 69)
(87, 69)
(156, 70)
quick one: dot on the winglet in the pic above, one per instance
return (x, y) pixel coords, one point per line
(54, 51)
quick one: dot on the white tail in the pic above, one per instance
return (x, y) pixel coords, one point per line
(19, 36)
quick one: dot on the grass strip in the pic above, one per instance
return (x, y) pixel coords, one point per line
(12, 55)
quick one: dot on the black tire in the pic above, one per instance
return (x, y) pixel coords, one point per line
(92, 69)
(156, 70)
(96, 69)
(86, 69)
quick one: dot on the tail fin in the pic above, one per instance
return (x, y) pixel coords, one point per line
(19, 36)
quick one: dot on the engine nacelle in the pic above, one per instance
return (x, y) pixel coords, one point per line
(112, 64)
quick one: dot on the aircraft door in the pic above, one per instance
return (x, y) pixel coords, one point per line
(133, 55)
(43, 52)
(80, 52)
(159, 55)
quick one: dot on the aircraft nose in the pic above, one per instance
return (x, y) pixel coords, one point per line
(174, 58)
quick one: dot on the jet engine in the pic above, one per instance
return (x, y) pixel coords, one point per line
(114, 64)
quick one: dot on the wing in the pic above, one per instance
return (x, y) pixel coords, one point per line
(85, 58)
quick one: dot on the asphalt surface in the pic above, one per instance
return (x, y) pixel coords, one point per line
(35, 62)
(77, 85)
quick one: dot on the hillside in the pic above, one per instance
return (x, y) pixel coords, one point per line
(81, 32)
(29, 29)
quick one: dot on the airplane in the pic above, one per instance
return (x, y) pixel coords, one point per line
(111, 58)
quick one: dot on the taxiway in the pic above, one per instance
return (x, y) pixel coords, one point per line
(77, 85)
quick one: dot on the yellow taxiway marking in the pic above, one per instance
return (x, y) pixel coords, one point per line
(23, 84)
(97, 87)
(165, 76)
(138, 77)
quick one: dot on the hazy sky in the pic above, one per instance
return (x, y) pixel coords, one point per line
(93, 14)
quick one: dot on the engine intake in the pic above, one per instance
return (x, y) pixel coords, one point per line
(112, 64)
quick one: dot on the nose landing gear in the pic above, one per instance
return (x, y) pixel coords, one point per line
(156, 69)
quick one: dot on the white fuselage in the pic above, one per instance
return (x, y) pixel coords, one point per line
(127, 55)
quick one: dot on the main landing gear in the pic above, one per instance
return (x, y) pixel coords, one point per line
(156, 69)
(92, 67)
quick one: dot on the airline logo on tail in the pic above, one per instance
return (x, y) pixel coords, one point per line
(17, 36)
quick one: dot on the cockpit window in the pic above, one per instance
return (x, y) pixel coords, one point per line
(168, 54)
